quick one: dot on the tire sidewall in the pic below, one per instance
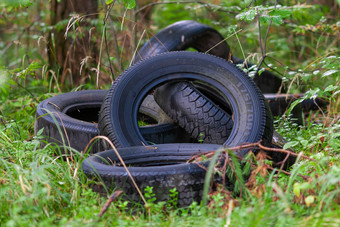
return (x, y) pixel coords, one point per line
(231, 83)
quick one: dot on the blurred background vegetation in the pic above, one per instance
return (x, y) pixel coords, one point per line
(62, 44)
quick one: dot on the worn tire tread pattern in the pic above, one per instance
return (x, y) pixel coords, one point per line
(187, 178)
(195, 113)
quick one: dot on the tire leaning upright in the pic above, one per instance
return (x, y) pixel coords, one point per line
(182, 35)
(246, 101)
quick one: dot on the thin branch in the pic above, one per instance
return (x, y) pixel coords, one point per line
(268, 28)
(271, 68)
(282, 165)
(287, 173)
(235, 32)
(263, 51)
(264, 44)
(254, 145)
(282, 151)
(108, 10)
(112, 198)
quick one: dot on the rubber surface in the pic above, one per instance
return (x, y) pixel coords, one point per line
(194, 112)
(162, 167)
(72, 117)
(204, 119)
(68, 119)
(279, 104)
(182, 35)
(120, 124)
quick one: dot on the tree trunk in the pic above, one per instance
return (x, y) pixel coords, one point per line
(75, 55)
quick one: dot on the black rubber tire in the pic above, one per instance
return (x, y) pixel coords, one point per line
(73, 114)
(77, 114)
(276, 102)
(182, 35)
(245, 99)
(194, 112)
(162, 167)
(279, 104)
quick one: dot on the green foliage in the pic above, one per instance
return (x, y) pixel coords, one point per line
(129, 3)
(170, 13)
(173, 198)
(16, 3)
(149, 195)
(40, 188)
(276, 14)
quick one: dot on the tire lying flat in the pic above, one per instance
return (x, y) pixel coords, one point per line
(245, 99)
(70, 120)
(163, 167)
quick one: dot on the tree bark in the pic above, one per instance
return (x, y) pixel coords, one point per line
(67, 55)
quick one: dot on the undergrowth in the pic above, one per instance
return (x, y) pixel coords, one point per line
(40, 187)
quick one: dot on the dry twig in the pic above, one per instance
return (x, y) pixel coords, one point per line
(112, 198)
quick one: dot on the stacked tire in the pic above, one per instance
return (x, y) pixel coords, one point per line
(193, 103)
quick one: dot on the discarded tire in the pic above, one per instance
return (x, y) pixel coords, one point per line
(279, 104)
(194, 112)
(246, 101)
(182, 35)
(162, 167)
(191, 34)
(200, 116)
(70, 120)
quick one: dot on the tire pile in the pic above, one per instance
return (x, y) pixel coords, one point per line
(193, 102)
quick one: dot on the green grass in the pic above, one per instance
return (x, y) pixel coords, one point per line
(38, 187)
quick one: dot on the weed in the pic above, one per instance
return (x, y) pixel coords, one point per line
(201, 138)
(173, 198)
